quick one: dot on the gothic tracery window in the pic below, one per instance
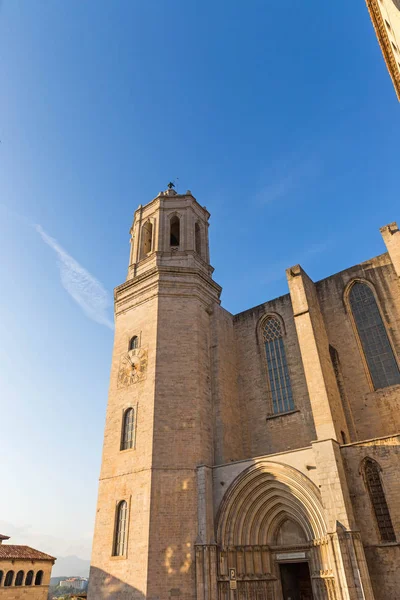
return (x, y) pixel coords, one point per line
(278, 372)
(120, 529)
(378, 500)
(128, 427)
(374, 339)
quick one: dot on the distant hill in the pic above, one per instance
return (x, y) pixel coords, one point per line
(69, 566)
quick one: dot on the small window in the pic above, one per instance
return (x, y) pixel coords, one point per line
(374, 339)
(175, 226)
(388, 25)
(344, 440)
(134, 343)
(147, 239)
(1, 576)
(378, 500)
(395, 47)
(19, 580)
(9, 579)
(197, 235)
(128, 427)
(120, 529)
(29, 578)
(278, 372)
(39, 578)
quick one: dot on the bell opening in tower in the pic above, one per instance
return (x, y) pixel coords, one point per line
(175, 231)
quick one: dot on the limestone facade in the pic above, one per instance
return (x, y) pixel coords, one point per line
(251, 456)
(385, 16)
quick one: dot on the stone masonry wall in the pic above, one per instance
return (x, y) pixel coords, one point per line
(374, 413)
(269, 433)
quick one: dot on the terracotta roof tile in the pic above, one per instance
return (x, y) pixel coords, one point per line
(22, 552)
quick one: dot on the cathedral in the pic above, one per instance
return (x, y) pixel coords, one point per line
(251, 456)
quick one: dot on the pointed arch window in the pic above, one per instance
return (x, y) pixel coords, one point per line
(134, 343)
(29, 578)
(278, 372)
(378, 352)
(147, 239)
(9, 579)
(39, 578)
(128, 428)
(120, 529)
(175, 231)
(378, 500)
(19, 580)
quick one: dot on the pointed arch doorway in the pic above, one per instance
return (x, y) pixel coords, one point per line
(271, 531)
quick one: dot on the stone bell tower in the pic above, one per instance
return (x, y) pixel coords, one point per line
(159, 418)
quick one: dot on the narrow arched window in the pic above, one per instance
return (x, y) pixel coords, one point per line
(9, 579)
(29, 578)
(175, 226)
(120, 529)
(19, 580)
(128, 427)
(374, 339)
(134, 343)
(39, 578)
(197, 238)
(378, 500)
(278, 372)
(1, 576)
(147, 238)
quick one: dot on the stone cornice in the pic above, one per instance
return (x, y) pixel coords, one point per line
(385, 44)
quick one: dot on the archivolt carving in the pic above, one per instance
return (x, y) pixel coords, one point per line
(261, 498)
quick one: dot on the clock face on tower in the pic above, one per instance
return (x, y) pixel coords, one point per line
(132, 367)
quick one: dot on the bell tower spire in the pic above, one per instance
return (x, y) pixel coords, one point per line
(170, 231)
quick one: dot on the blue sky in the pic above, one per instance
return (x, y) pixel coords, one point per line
(280, 117)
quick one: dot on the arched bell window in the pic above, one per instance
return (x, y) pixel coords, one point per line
(147, 239)
(120, 529)
(197, 238)
(39, 578)
(175, 231)
(134, 343)
(29, 578)
(378, 351)
(19, 580)
(9, 579)
(277, 368)
(128, 427)
(378, 500)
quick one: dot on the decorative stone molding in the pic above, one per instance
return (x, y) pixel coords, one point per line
(384, 42)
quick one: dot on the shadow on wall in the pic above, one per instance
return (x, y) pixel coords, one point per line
(103, 586)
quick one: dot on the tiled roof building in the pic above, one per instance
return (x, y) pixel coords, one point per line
(24, 572)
